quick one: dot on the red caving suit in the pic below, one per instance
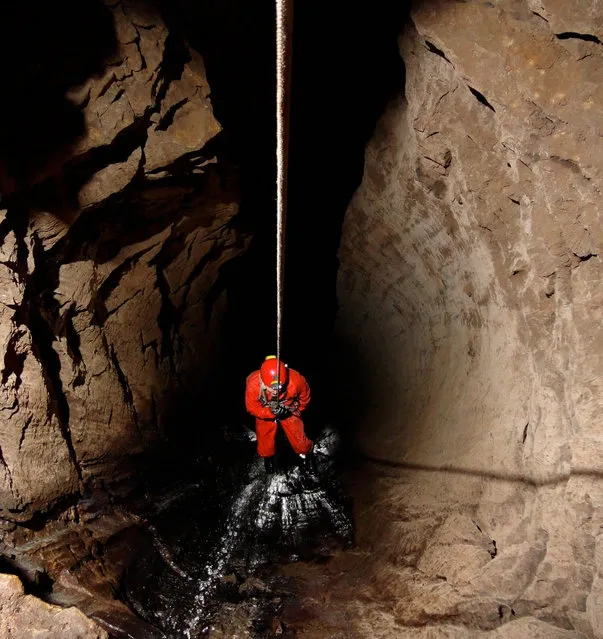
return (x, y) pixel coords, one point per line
(296, 396)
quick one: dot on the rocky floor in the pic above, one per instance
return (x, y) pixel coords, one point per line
(424, 566)
(276, 555)
(192, 559)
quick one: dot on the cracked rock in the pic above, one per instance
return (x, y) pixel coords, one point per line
(95, 342)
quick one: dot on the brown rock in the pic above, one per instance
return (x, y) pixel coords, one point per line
(470, 279)
(104, 304)
(112, 179)
(24, 616)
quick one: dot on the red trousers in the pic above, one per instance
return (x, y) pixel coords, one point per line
(294, 429)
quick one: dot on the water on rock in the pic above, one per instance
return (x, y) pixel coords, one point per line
(211, 566)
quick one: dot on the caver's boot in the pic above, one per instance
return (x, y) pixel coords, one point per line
(308, 462)
(269, 465)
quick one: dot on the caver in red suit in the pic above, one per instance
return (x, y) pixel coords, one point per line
(276, 394)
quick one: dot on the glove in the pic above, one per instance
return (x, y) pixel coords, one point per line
(281, 411)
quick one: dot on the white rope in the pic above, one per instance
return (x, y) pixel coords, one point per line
(284, 17)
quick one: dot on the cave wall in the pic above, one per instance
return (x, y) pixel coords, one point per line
(470, 312)
(117, 217)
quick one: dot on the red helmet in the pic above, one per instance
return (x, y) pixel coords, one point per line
(272, 372)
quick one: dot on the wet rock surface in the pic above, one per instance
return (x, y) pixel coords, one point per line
(196, 557)
(224, 578)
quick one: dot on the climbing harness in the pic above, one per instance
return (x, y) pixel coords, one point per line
(275, 402)
(284, 23)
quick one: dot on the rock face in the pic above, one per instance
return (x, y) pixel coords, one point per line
(23, 616)
(470, 313)
(111, 245)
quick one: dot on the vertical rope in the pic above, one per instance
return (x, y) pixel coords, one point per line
(284, 23)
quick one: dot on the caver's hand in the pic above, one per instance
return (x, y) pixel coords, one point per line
(281, 411)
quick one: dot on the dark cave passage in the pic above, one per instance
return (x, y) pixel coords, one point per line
(345, 66)
(127, 243)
